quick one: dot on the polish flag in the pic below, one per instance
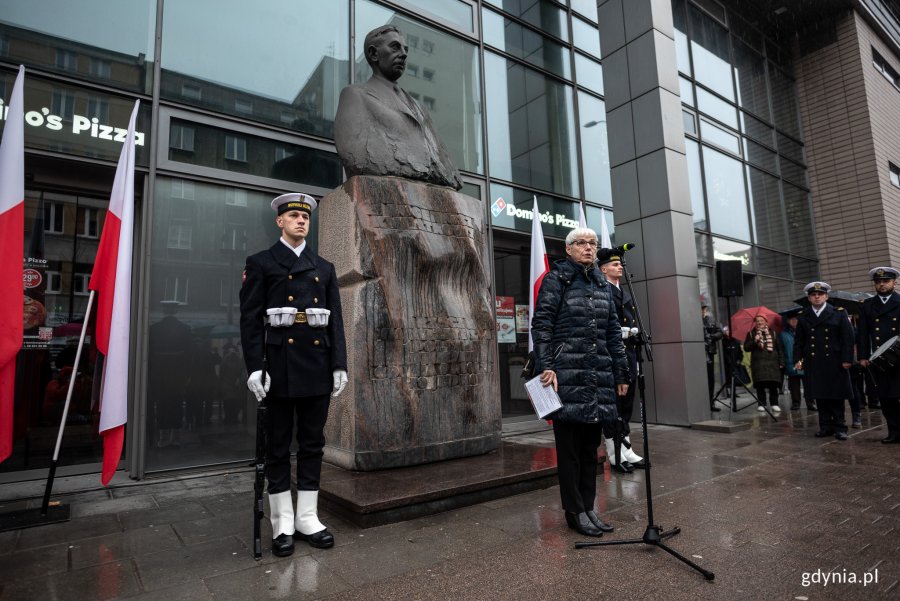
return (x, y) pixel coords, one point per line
(111, 279)
(540, 265)
(604, 231)
(582, 219)
(12, 244)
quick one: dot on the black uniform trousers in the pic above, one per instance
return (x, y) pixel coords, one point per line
(831, 415)
(310, 414)
(890, 408)
(576, 464)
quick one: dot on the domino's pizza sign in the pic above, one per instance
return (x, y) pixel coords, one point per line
(498, 206)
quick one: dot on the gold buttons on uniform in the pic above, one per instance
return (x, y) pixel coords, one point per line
(316, 342)
(315, 300)
(290, 298)
(290, 341)
(317, 278)
(290, 277)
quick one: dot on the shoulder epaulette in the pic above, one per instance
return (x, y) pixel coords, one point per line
(839, 308)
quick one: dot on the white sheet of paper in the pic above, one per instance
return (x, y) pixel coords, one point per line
(543, 398)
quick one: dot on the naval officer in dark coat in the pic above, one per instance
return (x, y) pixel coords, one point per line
(879, 322)
(291, 311)
(823, 348)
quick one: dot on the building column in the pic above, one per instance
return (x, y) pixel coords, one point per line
(652, 203)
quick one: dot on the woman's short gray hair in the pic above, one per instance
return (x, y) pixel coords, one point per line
(579, 232)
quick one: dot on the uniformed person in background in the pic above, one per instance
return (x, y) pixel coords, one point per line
(823, 349)
(291, 311)
(879, 322)
(611, 266)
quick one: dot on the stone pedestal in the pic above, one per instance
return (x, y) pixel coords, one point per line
(412, 261)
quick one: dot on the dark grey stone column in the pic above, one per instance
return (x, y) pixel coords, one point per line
(652, 202)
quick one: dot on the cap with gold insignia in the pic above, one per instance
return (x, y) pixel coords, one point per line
(294, 201)
(884, 273)
(817, 287)
(608, 255)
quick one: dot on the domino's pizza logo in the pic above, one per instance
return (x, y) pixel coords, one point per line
(498, 206)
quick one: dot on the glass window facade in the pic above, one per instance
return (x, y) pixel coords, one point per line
(245, 110)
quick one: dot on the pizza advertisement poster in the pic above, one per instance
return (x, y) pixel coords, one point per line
(34, 311)
(506, 319)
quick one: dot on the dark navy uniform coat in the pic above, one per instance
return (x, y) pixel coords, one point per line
(824, 342)
(878, 323)
(301, 359)
(625, 311)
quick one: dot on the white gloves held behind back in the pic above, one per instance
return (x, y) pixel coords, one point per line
(259, 388)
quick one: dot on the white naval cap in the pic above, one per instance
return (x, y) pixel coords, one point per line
(817, 287)
(294, 201)
(884, 273)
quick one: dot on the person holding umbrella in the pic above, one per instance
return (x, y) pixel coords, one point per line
(766, 362)
(824, 351)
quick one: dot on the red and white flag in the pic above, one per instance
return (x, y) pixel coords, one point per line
(111, 279)
(540, 265)
(582, 219)
(12, 245)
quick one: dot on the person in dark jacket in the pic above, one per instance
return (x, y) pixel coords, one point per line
(712, 333)
(794, 377)
(880, 321)
(823, 348)
(611, 266)
(766, 362)
(578, 350)
(284, 292)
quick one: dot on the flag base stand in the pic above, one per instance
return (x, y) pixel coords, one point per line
(28, 518)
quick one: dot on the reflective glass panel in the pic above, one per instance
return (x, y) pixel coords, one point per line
(687, 91)
(78, 121)
(588, 8)
(543, 14)
(526, 44)
(777, 293)
(208, 146)
(105, 41)
(717, 108)
(269, 78)
(784, 103)
(729, 250)
(719, 136)
(531, 125)
(757, 130)
(760, 155)
(750, 72)
(703, 243)
(514, 208)
(805, 270)
(726, 196)
(689, 123)
(773, 263)
(765, 203)
(199, 410)
(586, 37)
(790, 148)
(792, 171)
(682, 54)
(709, 46)
(454, 11)
(594, 149)
(799, 221)
(441, 75)
(695, 180)
(589, 73)
(595, 217)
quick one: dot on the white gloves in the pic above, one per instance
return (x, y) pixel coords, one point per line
(340, 380)
(256, 386)
(627, 332)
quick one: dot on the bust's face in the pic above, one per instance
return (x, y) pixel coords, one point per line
(390, 58)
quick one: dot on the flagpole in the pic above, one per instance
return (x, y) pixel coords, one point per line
(62, 424)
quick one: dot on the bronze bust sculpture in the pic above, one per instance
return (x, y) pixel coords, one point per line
(381, 130)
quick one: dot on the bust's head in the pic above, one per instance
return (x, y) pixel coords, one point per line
(385, 50)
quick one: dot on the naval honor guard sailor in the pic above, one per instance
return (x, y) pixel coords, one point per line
(879, 322)
(291, 326)
(823, 347)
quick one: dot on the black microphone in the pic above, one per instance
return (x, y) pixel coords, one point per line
(625, 247)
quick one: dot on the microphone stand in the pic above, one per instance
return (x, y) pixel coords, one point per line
(654, 534)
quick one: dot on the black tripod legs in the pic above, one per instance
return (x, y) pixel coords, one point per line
(652, 536)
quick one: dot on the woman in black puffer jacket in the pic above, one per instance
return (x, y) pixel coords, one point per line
(579, 351)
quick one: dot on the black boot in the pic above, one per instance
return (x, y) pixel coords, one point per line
(596, 521)
(283, 545)
(582, 523)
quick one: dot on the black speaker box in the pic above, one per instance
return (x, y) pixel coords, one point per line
(730, 278)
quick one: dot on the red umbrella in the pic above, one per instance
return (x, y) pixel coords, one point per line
(743, 321)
